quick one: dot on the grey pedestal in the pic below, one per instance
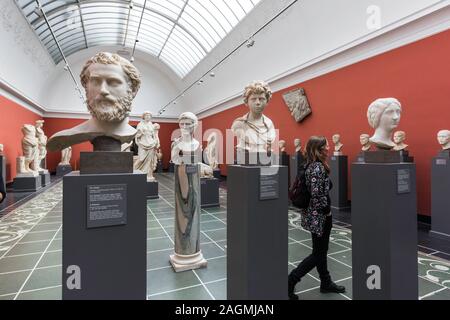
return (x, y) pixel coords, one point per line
(151, 190)
(171, 167)
(112, 260)
(384, 231)
(45, 178)
(209, 192)
(63, 169)
(339, 177)
(257, 234)
(27, 184)
(440, 196)
(3, 170)
(216, 173)
(159, 167)
(295, 161)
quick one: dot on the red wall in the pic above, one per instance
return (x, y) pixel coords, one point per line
(12, 117)
(416, 74)
(53, 125)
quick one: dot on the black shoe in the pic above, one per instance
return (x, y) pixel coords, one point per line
(332, 287)
(291, 289)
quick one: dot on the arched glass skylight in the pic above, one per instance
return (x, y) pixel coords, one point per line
(179, 32)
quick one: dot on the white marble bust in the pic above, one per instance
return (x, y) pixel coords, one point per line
(384, 116)
(443, 138)
(254, 131)
(282, 146)
(399, 138)
(298, 145)
(186, 145)
(365, 142)
(337, 144)
(1, 149)
(111, 83)
(66, 155)
(148, 143)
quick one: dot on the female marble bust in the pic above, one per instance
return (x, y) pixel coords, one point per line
(147, 142)
(337, 144)
(186, 146)
(384, 116)
(254, 131)
(443, 138)
(364, 140)
(399, 138)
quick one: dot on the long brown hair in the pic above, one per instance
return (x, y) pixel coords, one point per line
(314, 151)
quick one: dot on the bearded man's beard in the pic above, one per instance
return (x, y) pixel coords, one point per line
(117, 111)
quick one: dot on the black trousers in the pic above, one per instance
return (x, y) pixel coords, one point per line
(318, 257)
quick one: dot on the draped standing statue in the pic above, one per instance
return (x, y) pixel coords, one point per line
(148, 143)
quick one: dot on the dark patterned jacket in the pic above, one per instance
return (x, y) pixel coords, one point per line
(319, 185)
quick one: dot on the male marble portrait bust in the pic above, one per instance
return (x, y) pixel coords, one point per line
(399, 138)
(254, 131)
(364, 140)
(111, 83)
(298, 145)
(443, 138)
(384, 116)
(337, 144)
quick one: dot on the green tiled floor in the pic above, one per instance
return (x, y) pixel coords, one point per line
(31, 268)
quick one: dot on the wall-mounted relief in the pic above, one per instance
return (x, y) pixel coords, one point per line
(297, 103)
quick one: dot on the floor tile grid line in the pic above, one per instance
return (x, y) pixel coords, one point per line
(32, 253)
(204, 286)
(164, 230)
(343, 263)
(206, 235)
(168, 249)
(18, 240)
(306, 240)
(184, 288)
(40, 231)
(39, 260)
(431, 281)
(432, 293)
(419, 245)
(42, 191)
(40, 289)
(30, 269)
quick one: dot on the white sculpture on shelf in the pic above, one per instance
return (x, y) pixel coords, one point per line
(443, 138)
(66, 155)
(147, 142)
(211, 151)
(365, 142)
(384, 116)
(1, 149)
(42, 144)
(337, 144)
(282, 146)
(111, 83)
(30, 149)
(399, 138)
(186, 152)
(298, 145)
(254, 131)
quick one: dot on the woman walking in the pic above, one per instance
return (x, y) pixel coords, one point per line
(316, 218)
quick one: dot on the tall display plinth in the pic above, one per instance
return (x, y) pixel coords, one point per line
(104, 236)
(339, 177)
(440, 195)
(63, 169)
(257, 233)
(159, 166)
(151, 190)
(216, 173)
(384, 231)
(171, 167)
(209, 192)
(28, 183)
(45, 178)
(295, 161)
(3, 170)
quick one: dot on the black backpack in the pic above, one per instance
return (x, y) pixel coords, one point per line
(298, 193)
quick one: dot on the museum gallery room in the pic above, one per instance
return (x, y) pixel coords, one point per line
(225, 150)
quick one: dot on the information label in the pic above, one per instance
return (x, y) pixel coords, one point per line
(441, 162)
(106, 205)
(403, 181)
(268, 187)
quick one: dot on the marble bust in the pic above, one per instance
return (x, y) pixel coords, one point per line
(254, 131)
(1, 149)
(443, 138)
(364, 140)
(298, 145)
(148, 143)
(111, 83)
(186, 145)
(66, 154)
(384, 116)
(337, 144)
(282, 146)
(30, 149)
(42, 143)
(399, 138)
(211, 151)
